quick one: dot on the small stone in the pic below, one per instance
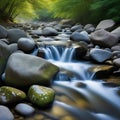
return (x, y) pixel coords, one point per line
(41, 96)
(89, 28)
(76, 36)
(100, 55)
(77, 28)
(10, 95)
(5, 113)
(26, 44)
(49, 31)
(117, 62)
(24, 109)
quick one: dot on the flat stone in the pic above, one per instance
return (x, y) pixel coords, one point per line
(49, 31)
(100, 55)
(24, 109)
(105, 24)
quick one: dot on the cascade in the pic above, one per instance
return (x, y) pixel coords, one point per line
(63, 58)
(101, 100)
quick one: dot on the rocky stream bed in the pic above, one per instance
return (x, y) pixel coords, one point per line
(60, 71)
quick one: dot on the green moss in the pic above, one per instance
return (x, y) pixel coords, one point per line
(41, 96)
(11, 95)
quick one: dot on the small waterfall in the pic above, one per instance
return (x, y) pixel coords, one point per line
(58, 53)
(63, 58)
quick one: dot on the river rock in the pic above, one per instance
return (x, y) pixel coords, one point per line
(105, 24)
(77, 28)
(4, 54)
(25, 70)
(41, 96)
(36, 32)
(116, 47)
(13, 47)
(10, 95)
(15, 34)
(24, 109)
(116, 32)
(101, 71)
(5, 113)
(100, 55)
(76, 36)
(80, 50)
(89, 28)
(117, 62)
(3, 32)
(26, 44)
(104, 38)
(49, 31)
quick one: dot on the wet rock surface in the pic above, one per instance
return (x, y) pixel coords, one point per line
(10, 95)
(93, 53)
(33, 70)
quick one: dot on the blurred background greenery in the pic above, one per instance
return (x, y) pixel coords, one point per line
(82, 11)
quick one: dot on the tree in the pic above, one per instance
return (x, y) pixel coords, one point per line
(106, 9)
(9, 9)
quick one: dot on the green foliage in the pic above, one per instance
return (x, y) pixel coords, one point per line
(45, 15)
(84, 11)
(9, 9)
(106, 9)
(77, 10)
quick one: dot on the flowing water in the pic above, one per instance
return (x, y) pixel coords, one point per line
(92, 99)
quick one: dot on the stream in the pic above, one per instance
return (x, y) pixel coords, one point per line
(78, 96)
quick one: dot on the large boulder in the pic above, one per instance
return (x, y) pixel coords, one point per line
(49, 31)
(3, 32)
(105, 24)
(4, 54)
(104, 38)
(100, 55)
(26, 44)
(116, 32)
(15, 34)
(25, 70)
(5, 51)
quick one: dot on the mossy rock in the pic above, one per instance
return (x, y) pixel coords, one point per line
(10, 95)
(41, 96)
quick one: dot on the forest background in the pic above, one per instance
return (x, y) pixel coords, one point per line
(82, 11)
